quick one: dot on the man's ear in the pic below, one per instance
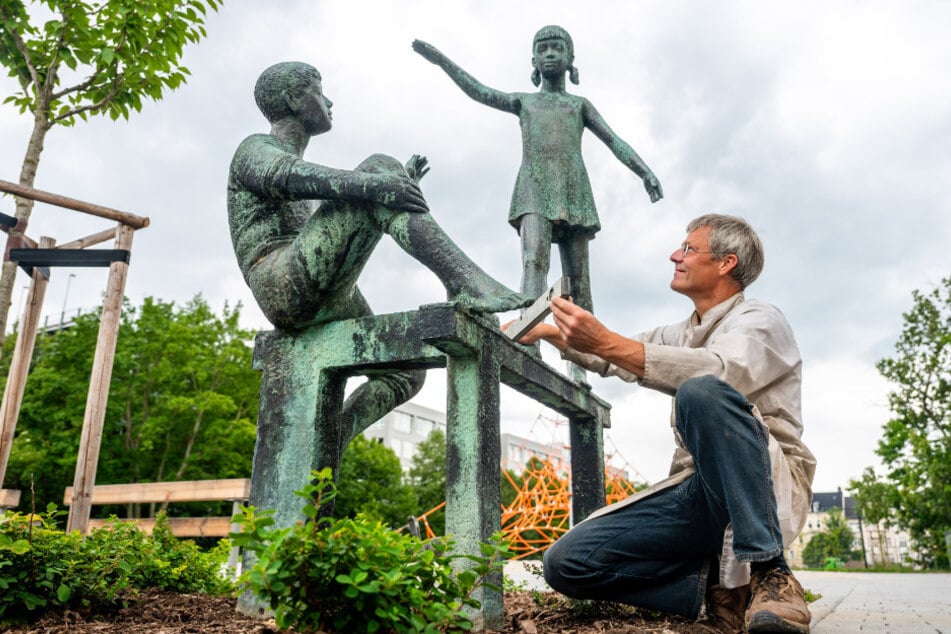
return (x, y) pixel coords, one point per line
(727, 263)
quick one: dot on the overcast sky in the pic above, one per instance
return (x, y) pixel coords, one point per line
(826, 125)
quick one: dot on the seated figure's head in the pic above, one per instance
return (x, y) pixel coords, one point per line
(278, 81)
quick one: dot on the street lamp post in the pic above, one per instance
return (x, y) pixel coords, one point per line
(62, 315)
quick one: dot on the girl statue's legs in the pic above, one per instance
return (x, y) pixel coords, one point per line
(535, 232)
(574, 264)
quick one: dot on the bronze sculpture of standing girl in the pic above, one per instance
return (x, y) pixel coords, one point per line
(552, 201)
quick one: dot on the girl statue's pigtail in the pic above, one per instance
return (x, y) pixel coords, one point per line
(572, 75)
(537, 77)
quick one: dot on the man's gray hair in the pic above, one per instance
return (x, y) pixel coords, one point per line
(730, 234)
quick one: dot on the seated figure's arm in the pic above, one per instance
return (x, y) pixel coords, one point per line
(264, 167)
(469, 84)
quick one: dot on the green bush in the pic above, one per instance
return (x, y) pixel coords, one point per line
(356, 575)
(42, 567)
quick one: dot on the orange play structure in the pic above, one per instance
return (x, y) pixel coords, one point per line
(540, 512)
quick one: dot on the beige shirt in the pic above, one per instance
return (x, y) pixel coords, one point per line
(749, 345)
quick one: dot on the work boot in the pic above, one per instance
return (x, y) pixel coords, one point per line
(777, 603)
(726, 608)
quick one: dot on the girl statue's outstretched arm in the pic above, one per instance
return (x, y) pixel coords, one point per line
(469, 84)
(624, 152)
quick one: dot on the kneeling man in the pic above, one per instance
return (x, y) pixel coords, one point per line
(740, 484)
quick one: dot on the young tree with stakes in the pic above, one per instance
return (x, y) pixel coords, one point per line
(88, 58)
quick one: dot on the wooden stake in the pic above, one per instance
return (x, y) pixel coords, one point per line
(99, 382)
(134, 221)
(88, 241)
(20, 364)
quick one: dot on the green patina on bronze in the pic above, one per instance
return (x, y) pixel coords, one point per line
(552, 201)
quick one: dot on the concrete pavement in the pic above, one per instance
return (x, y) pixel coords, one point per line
(897, 603)
(879, 602)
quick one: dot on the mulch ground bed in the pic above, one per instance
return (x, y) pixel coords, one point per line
(158, 612)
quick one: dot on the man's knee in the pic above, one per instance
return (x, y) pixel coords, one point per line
(381, 164)
(554, 569)
(706, 403)
(701, 390)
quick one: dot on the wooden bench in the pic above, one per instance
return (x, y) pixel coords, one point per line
(9, 498)
(235, 490)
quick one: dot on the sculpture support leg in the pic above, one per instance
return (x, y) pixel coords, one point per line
(298, 431)
(587, 468)
(473, 455)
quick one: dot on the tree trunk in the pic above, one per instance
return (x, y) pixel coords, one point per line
(24, 206)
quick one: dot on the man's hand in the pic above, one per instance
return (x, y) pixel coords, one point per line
(652, 185)
(577, 327)
(541, 331)
(582, 331)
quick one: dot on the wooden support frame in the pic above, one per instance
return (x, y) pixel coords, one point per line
(122, 217)
(9, 498)
(101, 375)
(235, 490)
(101, 378)
(178, 491)
(20, 363)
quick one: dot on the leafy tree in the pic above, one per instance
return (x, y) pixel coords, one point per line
(836, 540)
(916, 446)
(816, 551)
(371, 482)
(427, 476)
(182, 403)
(75, 58)
(875, 502)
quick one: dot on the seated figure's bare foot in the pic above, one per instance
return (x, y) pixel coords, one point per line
(485, 295)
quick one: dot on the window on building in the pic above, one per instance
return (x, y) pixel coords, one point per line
(424, 426)
(403, 422)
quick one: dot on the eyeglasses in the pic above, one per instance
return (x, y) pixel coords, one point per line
(686, 249)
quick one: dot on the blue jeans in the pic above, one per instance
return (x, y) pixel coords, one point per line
(656, 553)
